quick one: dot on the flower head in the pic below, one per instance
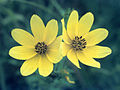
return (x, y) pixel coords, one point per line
(40, 50)
(80, 44)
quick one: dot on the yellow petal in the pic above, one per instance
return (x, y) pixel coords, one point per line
(29, 66)
(87, 60)
(85, 24)
(71, 55)
(23, 37)
(54, 51)
(97, 51)
(69, 81)
(72, 24)
(22, 52)
(65, 48)
(66, 38)
(56, 43)
(45, 66)
(37, 27)
(51, 31)
(54, 56)
(96, 36)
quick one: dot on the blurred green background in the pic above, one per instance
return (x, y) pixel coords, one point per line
(17, 14)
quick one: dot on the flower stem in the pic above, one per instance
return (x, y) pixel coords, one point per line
(58, 7)
(39, 6)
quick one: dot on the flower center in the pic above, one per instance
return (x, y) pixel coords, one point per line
(41, 48)
(79, 43)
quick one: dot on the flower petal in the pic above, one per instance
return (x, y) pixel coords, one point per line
(66, 38)
(72, 24)
(85, 24)
(87, 60)
(71, 55)
(45, 66)
(29, 66)
(22, 52)
(51, 31)
(97, 51)
(96, 36)
(37, 27)
(54, 51)
(23, 37)
(56, 43)
(54, 56)
(65, 48)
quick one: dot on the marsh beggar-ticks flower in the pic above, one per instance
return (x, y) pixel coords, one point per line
(80, 44)
(40, 50)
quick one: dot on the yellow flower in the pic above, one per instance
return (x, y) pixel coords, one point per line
(40, 50)
(80, 44)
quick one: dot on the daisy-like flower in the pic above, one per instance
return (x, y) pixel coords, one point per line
(80, 44)
(41, 50)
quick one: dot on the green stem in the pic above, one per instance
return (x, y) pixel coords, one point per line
(39, 6)
(6, 10)
(58, 7)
